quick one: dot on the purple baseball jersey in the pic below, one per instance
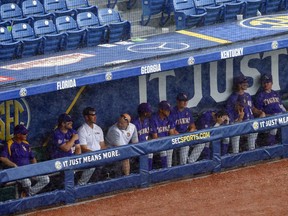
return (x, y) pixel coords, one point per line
(159, 126)
(231, 103)
(60, 139)
(182, 119)
(19, 153)
(205, 120)
(270, 103)
(142, 128)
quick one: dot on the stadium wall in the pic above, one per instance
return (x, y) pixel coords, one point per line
(208, 86)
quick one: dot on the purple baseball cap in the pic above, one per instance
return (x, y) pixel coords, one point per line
(64, 117)
(164, 105)
(240, 79)
(182, 97)
(144, 108)
(266, 78)
(20, 129)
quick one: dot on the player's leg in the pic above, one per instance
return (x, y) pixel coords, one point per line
(26, 185)
(126, 167)
(225, 145)
(251, 140)
(42, 181)
(163, 155)
(235, 144)
(272, 137)
(196, 152)
(169, 157)
(184, 155)
(150, 161)
(86, 175)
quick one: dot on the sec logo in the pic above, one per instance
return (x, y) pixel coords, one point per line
(58, 165)
(269, 22)
(255, 125)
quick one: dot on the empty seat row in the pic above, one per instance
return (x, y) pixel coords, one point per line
(65, 33)
(191, 13)
(36, 10)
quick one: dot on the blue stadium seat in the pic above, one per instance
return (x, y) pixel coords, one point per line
(231, 8)
(52, 40)
(272, 6)
(81, 6)
(187, 15)
(34, 9)
(30, 44)
(111, 3)
(95, 33)
(9, 48)
(118, 29)
(153, 7)
(75, 36)
(214, 12)
(58, 8)
(12, 12)
(252, 8)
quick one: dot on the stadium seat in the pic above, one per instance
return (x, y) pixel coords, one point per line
(75, 36)
(231, 8)
(187, 15)
(9, 48)
(272, 6)
(58, 8)
(12, 12)
(252, 8)
(30, 44)
(95, 33)
(111, 3)
(214, 12)
(52, 40)
(34, 9)
(118, 29)
(153, 7)
(81, 6)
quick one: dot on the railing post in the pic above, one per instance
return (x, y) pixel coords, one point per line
(284, 140)
(69, 186)
(216, 156)
(144, 171)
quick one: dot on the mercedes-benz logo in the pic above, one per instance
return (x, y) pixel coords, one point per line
(158, 47)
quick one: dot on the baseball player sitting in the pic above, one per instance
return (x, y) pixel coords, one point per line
(269, 101)
(17, 153)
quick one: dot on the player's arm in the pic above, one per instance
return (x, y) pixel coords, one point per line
(69, 144)
(78, 149)
(258, 113)
(191, 127)
(7, 162)
(103, 145)
(135, 136)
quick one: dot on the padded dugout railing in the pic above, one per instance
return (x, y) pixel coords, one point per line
(145, 178)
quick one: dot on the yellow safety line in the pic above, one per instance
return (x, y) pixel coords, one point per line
(68, 110)
(204, 37)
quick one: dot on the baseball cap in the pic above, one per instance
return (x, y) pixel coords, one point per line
(20, 129)
(144, 107)
(126, 117)
(164, 105)
(265, 78)
(221, 113)
(64, 117)
(182, 97)
(240, 79)
(89, 111)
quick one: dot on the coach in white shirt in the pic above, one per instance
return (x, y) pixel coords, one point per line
(91, 138)
(122, 133)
